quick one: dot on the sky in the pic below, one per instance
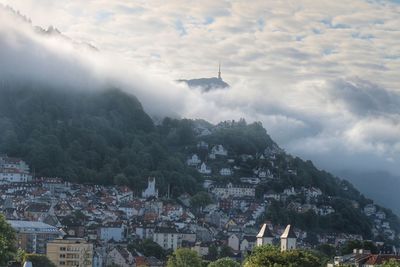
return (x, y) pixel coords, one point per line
(322, 76)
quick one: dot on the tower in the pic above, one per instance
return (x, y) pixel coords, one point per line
(219, 71)
(265, 236)
(151, 190)
(288, 239)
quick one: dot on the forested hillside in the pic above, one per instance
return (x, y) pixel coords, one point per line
(105, 137)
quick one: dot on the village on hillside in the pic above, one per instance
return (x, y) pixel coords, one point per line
(50, 214)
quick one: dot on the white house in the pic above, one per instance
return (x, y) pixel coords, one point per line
(231, 190)
(264, 237)
(218, 150)
(120, 256)
(151, 190)
(369, 209)
(234, 242)
(225, 172)
(194, 160)
(14, 170)
(204, 169)
(288, 239)
(113, 231)
(167, 237)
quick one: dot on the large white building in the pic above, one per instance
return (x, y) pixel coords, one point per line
(151, 190)
(167, 237)
(231, 190)
(14, 170)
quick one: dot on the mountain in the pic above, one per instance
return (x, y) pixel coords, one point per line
(64, 125)
(105, 137)
(206, 84)
(380, 186)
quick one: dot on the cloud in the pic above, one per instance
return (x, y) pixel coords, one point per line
(321, 76)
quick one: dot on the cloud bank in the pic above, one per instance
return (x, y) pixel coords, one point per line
(321, 76)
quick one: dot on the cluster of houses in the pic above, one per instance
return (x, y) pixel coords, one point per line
(103, 220)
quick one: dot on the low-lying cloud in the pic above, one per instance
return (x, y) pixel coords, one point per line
(323, 83)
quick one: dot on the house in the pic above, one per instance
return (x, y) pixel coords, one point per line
(120, 256)
(145, 231)
(194, 160)
(167, 237)
(231, 190)
(226, 172)
(34, 211)
(369, 209)
(218, 150)
(250, 180)
(112, 231)
(204, 169)
(234, 242)
(381, 215)
(264, 237)
(151, 190)
(129, 210)
(14, 170)
(202, 145)
(288, 239)
(33, 236)
(202, 248)
(70, 252)
(248, 243)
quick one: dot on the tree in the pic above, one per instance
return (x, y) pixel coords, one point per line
(213, 252)
(7, 242)
(39, 260)
(225, 251)
(148, 248)
(391, 263)
(200, 200)
(224, 262)
(184, 257)
(270, 256)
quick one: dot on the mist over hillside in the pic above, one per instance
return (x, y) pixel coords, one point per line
(306, 130)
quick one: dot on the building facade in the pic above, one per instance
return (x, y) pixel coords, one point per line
(70, 252)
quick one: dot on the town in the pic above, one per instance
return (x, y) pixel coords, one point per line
(104, 222)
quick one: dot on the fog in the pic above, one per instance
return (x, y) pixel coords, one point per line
(339, 121)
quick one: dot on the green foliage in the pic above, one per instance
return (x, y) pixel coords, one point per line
(39, 260)
(101, 137)
(148, 248)
(200, 200)
(7, 242)
(225, 251)
(270, 256)
(349, 246)
(224, 262)
(391, 263)
(241, 138)
(184, 257)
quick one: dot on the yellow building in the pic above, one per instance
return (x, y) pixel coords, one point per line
(70, 252)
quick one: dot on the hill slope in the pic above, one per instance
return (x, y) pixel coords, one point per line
(105, 137)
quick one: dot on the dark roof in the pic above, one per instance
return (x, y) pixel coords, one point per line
(38, 207)
(250, 238)
(264, 232)
(165, 230)
(289, 232)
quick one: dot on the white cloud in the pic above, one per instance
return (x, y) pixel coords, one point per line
(321, 75)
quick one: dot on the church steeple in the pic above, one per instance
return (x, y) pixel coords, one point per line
(219, 71)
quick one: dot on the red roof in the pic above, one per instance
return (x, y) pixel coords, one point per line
(380, 259)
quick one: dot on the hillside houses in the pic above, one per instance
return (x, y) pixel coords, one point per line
(14, 170)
